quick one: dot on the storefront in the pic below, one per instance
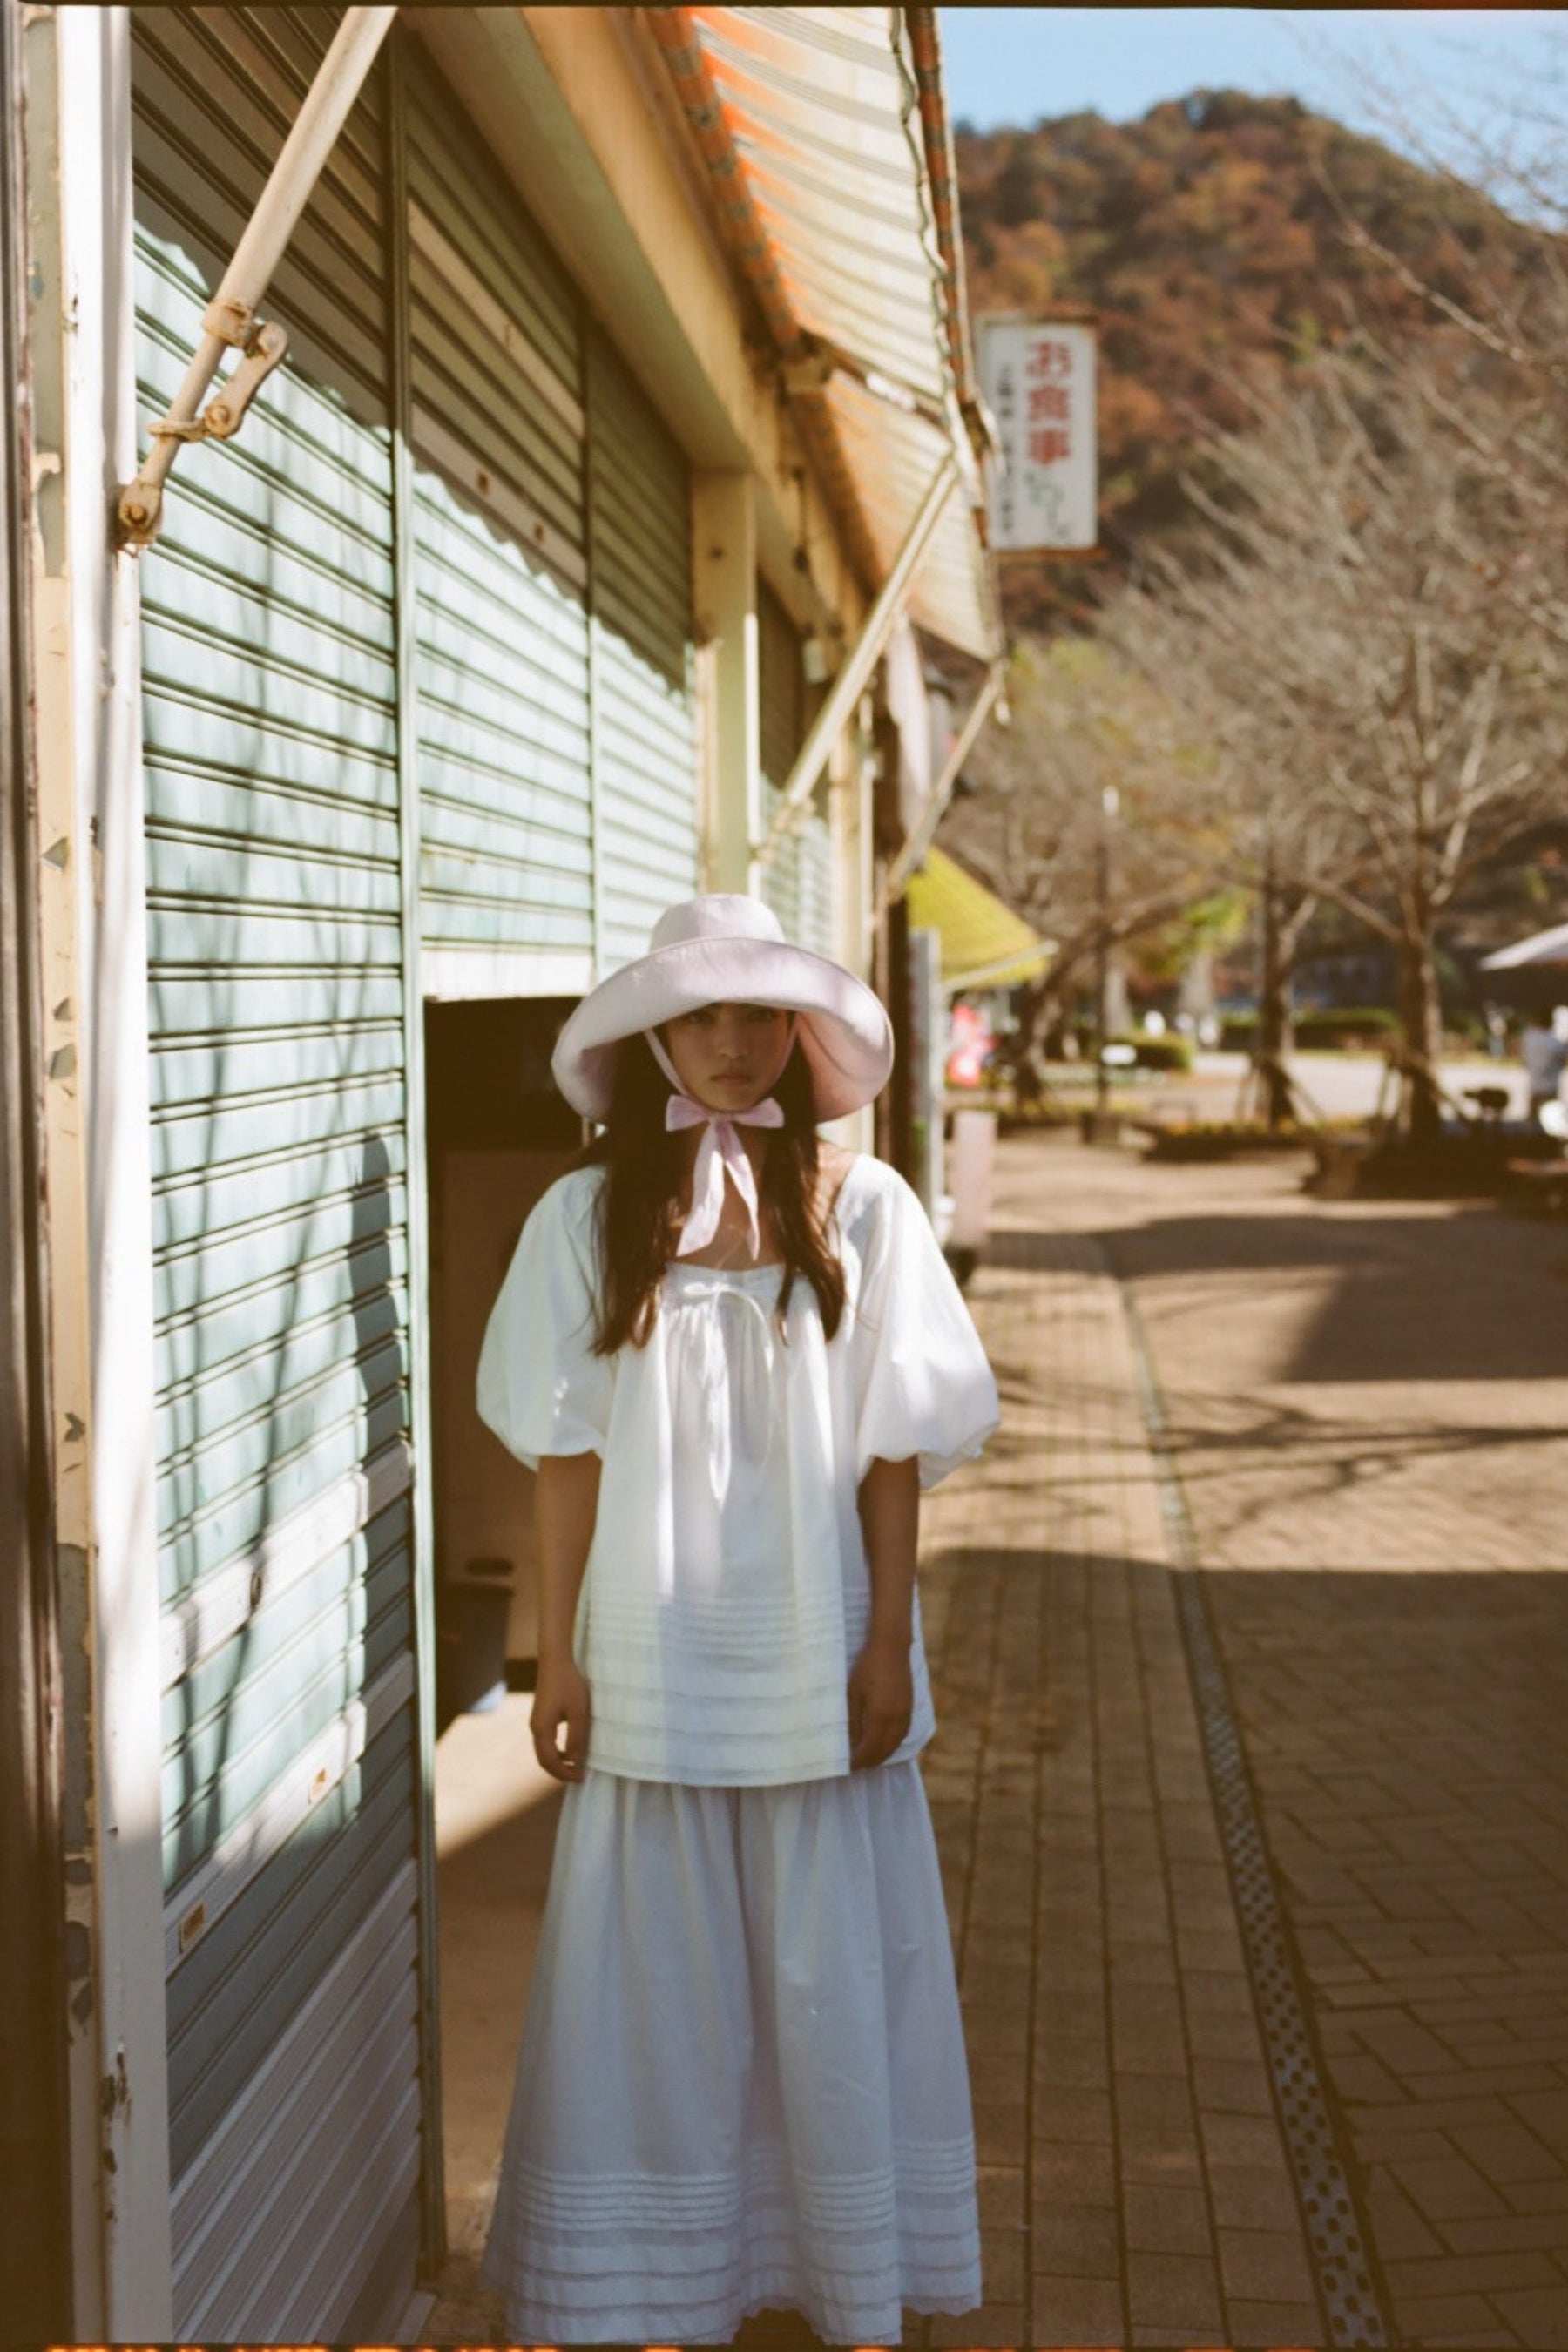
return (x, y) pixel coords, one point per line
(484, 638)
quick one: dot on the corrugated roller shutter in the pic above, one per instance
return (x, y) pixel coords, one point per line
(644, 718)
(279, 1147)
(798, 884)
(502, 557)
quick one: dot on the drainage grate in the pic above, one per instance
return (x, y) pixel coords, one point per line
(1346, 2287)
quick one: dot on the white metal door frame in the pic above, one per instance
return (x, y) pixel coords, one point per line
(92, 907)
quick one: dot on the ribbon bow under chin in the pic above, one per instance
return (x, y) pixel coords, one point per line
(720, 1151)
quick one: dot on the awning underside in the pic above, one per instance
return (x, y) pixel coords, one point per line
(821, 110)
(983, 943)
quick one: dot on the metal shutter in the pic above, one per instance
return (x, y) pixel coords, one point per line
(502, 557)
(278, 1111)
(798, 884)
(644, 718)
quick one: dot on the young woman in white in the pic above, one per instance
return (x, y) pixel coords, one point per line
(735, 1354)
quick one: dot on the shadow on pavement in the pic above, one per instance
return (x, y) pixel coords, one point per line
(1466, 1296)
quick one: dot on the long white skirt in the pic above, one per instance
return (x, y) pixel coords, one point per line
(743, 2083)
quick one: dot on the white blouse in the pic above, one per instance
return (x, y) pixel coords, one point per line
(727, 1592)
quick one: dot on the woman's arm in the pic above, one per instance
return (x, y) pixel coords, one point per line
(566, 1502)
(881, 1685)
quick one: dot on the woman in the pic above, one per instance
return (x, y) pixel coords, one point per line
(735, 1355)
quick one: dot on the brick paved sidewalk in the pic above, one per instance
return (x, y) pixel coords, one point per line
(1134, 2189)
(1369, 1404)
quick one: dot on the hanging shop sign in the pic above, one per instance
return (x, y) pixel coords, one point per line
(1038, 378)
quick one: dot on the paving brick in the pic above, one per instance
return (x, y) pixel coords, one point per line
(1072, 2311)
(1446, 2189)
(1507, 2152)
(1265, 2266)
(1484, 2274)
(1442, 2318)
(1540, 2314)
(999, 2324)
(1252, 2197)
(1001, 2192)
(1176, 2292)
(1077, 2242)
(1398, 2230)
(1003, 2264)
(1232, 2086)
(1072, 2173)
(1167, 2219)
(1275, 2323)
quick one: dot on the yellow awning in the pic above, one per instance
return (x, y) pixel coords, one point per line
(983, 943)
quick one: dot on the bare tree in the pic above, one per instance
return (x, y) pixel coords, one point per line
(1094, 815)
(1194, 639)
(1371, 615)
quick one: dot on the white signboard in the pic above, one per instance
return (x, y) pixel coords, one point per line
(1037, 377)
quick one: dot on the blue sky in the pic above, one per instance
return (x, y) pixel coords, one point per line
(1014, 65)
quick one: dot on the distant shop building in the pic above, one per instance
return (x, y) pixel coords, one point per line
(625, 434)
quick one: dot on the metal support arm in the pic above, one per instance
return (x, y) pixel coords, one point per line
(860, 662)
(230, 322)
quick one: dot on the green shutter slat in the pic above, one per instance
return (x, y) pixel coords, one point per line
(212, 1528)
(200, 1209)
(266, 1248)
(225, 1131)
(343, 1584)
(644, 742)
(452, 179)
(188, 799)
(330, 1876)
(278, 1090)
(227, 1765)
(502, 638)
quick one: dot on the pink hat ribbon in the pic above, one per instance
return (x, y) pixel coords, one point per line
(720, 1151)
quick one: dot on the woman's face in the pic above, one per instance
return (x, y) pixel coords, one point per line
(727, 1056)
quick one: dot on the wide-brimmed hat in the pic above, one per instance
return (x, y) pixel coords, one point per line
(728, 948)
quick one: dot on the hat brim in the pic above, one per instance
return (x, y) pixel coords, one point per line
(845, 1032)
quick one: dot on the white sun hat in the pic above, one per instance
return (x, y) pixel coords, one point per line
(726, 948)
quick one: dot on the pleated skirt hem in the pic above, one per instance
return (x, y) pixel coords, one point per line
(742, 2085)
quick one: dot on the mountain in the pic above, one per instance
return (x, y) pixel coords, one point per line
(1210, 237)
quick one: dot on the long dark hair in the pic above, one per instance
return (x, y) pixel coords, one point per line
(640, 1201)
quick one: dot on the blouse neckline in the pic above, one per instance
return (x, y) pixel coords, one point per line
(772, 1268)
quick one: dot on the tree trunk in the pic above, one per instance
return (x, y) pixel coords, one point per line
(1021, 1055)
(1271, 1077)
(1420, 1015)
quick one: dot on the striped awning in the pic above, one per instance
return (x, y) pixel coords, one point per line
(983, 943)
(819, 127)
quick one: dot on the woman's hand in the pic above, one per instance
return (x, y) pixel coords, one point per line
(881, 1700)
(561, 1697)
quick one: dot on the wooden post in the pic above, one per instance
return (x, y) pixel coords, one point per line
(724, 597)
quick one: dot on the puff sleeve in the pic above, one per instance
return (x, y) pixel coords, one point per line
(541, 1387)
(923, 1385)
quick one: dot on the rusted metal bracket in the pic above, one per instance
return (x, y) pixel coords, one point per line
(230, 322)
(264, 344)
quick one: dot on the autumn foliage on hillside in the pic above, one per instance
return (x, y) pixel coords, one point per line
(1210, 237)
